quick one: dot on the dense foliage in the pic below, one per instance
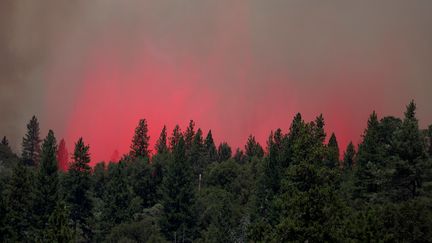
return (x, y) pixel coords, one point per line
(300, 187)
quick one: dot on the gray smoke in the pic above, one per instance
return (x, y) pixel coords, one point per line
(343, 58)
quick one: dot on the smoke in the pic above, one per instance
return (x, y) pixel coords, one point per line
(94, 68)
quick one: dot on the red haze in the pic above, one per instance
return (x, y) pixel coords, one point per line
(114, 96)
(238, 68)
(62, 156)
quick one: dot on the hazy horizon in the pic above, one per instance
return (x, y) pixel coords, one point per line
(94, 68)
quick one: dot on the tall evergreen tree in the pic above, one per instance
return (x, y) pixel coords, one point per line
(296, 126)
(5, 141)
(47, 183)
(210, 147)
(319, 132)
(31, 143)
(161, 144)
(253, 148)
(273, 168)
(278, 138)
(268, 182)
(332, 160)
(4, 148)
(197, 152)
(224, 152)
(19, 212)
(303, 142)
(8, 158)
(62, 156)
(175, 137)
(140, 141)
(349, 155)
(371, 149)
(388, 128)
(371, 161)
(178, 197)
(239, 156)
(77, 188)
(409, 144)
(189, 135)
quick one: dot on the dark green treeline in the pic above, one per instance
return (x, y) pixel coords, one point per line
(300, 187)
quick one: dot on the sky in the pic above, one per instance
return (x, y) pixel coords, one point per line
(94, 68)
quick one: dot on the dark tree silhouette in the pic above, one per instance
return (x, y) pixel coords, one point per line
(31, 143)
(77, 188)
(349, 157)
(140, 141)
(161, 144)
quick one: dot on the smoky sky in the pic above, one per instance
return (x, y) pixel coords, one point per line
(93, 68)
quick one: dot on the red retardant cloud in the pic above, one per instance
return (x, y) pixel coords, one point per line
(113, 97)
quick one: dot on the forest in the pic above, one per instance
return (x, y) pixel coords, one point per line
(298, 187)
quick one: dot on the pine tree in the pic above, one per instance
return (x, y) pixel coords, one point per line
(46, 182)
(349, 155)
(81, 157)
(77, 188)
(278, 138)
(250, 146)
(224, 152)
(175, 137)
(5, 141)
(161, 144)
(62, 156)
(371, 149)
(371, 161)
(5, 149)
(178, 197)
(19, 197)
(291, 142)
(304, 142)
(332, 160)
(140, 141)
(296, 126)
(197, 152)
(410, 148)
(31, 143)
(268, 183)
(388, 127)
(253, 148)
(8, 158)
(273, 168)
(189, 135)
(239, 156)
(210, 147)
(319, 132)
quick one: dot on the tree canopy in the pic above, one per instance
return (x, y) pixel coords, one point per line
(300, 187)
